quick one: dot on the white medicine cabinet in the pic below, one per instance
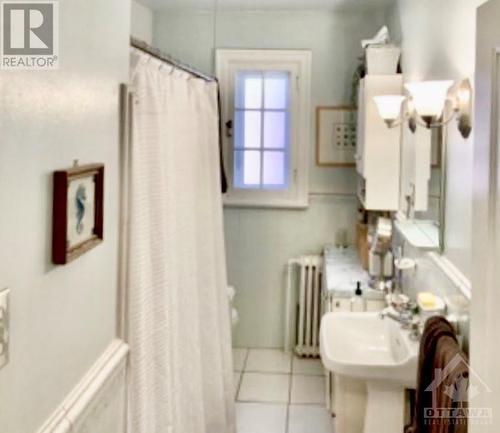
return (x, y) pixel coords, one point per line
(378, 155)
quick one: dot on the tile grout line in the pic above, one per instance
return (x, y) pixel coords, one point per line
(287, 427)
(281, 403)
(289, 372)
(264, 403)
(279, 373)
(238, 386)
(245, 361)
(242, 372)
(288, 404)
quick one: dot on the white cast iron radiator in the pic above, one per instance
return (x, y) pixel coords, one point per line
(304, 305)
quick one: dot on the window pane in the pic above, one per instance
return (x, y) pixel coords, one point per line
(249, 90)
(247, 129)
(276, 90)
(247, 168)
(275, 130)
(275, 169)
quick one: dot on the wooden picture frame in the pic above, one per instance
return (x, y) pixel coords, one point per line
(78, 213)
(336, 127)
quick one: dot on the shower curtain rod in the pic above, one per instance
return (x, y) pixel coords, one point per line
(143, 46)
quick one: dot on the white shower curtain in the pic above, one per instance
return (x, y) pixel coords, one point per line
(178, 320)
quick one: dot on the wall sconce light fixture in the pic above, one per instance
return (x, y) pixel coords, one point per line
(389, 108)
(426, 105)
(395, 110)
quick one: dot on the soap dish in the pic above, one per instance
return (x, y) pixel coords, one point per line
(438, 307)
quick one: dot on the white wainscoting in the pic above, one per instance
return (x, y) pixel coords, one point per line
(97, 403)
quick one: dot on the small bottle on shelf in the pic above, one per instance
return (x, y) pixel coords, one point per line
(358, 301)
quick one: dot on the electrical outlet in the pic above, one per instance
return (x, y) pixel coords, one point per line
(4, 327)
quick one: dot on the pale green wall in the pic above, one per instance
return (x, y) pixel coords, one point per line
(62, 318)
(438, 42)
(259, 242)
(141, 24)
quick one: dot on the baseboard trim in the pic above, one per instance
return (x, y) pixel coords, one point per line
(75, 406)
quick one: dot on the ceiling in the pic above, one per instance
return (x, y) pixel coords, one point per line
(354, 5)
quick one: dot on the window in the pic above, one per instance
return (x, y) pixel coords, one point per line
(262, 130)
(266, 108)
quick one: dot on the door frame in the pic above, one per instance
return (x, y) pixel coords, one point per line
(485, 317)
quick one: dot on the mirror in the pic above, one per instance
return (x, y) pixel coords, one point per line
(422, 186)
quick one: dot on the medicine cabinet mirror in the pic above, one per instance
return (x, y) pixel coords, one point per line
(423, 187)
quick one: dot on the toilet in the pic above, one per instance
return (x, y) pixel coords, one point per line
(233, 312)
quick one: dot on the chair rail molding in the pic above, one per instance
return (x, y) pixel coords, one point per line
(85, 404)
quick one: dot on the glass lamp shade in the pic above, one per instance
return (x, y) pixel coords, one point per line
(389, 106)
(429, 97)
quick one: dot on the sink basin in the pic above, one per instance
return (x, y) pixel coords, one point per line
(364, 347)
(367, 347)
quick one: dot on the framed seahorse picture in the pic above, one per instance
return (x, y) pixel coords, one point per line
(78, 213)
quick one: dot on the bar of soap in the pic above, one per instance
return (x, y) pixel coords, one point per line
(427, 300)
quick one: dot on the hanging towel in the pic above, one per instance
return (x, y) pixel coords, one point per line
(442, 384)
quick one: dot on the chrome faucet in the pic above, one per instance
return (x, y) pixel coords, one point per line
(404, 317)
(404, 314)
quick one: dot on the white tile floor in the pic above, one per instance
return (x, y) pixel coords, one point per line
(265, 387)
(239, 359)
(279, 393)
(269, 361)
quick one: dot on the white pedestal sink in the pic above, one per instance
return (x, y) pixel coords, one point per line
(375, 350)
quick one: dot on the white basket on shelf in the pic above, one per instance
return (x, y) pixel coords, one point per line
(382, 59)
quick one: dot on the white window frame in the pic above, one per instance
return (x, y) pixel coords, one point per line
(298, 63)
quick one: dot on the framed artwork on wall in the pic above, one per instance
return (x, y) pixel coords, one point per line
(336, 136)
(77, 223)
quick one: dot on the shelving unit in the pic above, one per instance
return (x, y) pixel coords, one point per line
(378, 147)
